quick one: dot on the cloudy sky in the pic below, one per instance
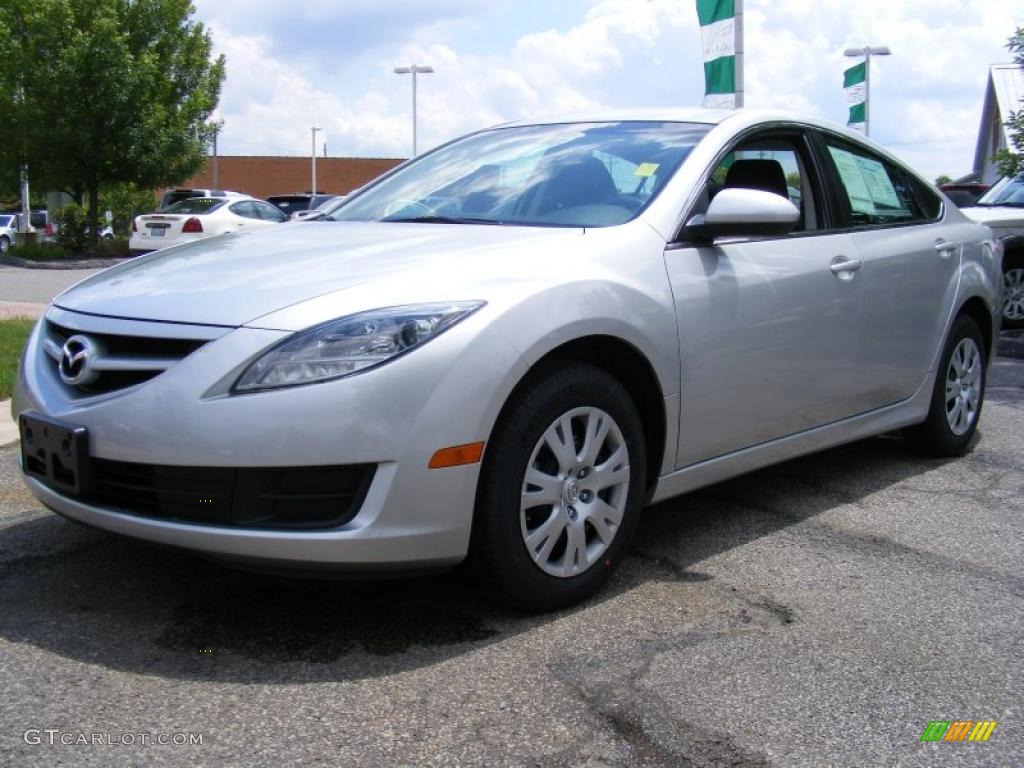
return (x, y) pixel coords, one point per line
(329, 62)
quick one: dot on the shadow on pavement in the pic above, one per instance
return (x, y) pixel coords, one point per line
(99, 599)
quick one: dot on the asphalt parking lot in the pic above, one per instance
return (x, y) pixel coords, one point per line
(819, 612)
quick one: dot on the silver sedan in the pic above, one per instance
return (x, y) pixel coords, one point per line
(500, 351)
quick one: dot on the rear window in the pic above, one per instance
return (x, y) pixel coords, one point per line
(197, 205)
(290, 203)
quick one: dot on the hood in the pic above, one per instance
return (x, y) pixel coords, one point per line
(996, 216)
(232, 280)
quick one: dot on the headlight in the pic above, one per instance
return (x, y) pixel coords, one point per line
(351, 344)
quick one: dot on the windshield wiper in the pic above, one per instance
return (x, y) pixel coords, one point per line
(434, 219)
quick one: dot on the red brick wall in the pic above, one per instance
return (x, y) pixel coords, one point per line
(261, 176)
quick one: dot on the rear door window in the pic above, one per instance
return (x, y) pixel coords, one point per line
(875, 192)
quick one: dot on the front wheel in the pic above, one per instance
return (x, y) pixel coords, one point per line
(958, 395)
(560, 490)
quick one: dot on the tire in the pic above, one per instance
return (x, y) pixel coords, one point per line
(1013, 291)
(5, 244)
(958, 396)
(563, 548)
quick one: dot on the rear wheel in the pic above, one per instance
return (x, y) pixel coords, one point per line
(958, 395)
(561, 489)
(5, 243)
(1013, 292)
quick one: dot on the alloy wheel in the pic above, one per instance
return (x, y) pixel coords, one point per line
(1013, 294)
(574, 492)
(963, 386)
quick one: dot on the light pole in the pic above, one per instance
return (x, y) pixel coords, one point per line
(867, 52)
(314, 130)
(216, 171)
(414, 69)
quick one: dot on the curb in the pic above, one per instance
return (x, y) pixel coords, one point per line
(8, 429)
(14, 261)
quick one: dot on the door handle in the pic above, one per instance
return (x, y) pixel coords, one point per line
(945, 248)
(841, 265)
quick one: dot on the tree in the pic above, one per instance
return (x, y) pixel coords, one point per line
(99, 92)
(943, 179)
(1009, 160)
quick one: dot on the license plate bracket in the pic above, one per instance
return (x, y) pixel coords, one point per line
(55, 453)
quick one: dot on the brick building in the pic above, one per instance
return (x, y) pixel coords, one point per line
(261, 175)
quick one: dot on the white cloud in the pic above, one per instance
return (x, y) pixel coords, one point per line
(925, 105)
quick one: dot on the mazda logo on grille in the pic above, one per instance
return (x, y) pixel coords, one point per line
(76, 359)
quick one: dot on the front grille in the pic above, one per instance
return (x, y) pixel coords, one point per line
(123, 360)
(293, 498)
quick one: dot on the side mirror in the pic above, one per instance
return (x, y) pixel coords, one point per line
(736, 212)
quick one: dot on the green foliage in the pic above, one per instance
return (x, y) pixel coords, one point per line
(99, 92)
(110, 248)
(943, 179)
(126, 201)
(38, 252)
(13, 335)
(1009, 160)
(72, 228)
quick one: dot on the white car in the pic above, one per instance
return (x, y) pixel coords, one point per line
(198, 218)
(1002, 209)
(8, 227)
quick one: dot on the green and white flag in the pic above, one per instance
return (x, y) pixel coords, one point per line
(856, 94)
(718, 33)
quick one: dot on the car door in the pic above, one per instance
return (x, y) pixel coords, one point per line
(248, 216)
(911, 262)
(769, 328)
(268, 213)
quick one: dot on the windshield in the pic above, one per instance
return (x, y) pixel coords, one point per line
(571, 175)
(1006, 191)
(196, 205)
(6, 221)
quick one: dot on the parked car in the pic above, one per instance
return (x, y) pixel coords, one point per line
(505, 348)
(325, 206)
(8, 229)
(46, 230)
(172, 196)
(1002, 209)
(964, 195)
(300, 202)
(199, 218)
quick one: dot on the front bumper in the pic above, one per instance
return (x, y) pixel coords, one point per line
(394, 417)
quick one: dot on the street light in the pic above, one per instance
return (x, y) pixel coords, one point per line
(867, 52)
(414, 69)
(314, 130)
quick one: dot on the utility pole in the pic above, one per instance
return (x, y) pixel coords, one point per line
(314, 129)
(216, 173)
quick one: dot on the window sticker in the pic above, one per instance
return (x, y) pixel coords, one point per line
(853, 180)
(646, 169)
(879, 184)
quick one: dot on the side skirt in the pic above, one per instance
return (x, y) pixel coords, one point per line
(892, 417)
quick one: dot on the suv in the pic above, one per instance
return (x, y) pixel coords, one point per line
(1002, 209)
(172, 196)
